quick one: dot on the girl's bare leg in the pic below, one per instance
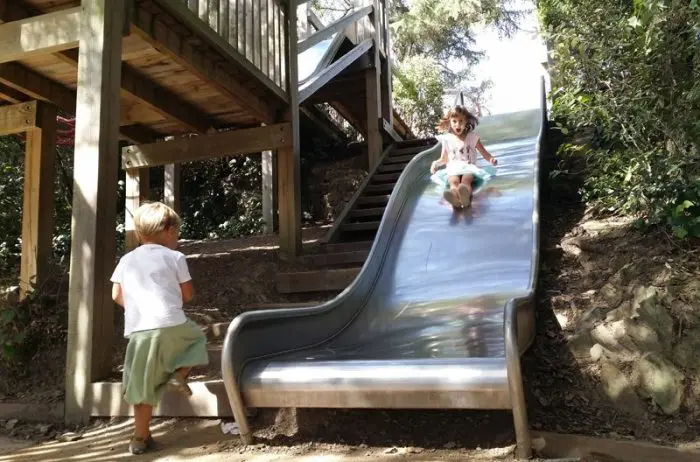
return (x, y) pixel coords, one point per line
(465, 190)
(142, 420)
(451, 195)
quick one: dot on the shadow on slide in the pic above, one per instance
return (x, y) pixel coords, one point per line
(436, 319)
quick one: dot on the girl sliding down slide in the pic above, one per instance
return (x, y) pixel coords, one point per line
(458, 157)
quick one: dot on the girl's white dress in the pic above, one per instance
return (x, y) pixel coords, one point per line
(461, 160)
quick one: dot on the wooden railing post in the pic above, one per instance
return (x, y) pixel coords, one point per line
(136, 189)
(386, 76)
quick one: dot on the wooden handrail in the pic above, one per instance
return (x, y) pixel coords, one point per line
(334, 27)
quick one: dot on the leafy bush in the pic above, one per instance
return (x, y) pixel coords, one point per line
(626, 73)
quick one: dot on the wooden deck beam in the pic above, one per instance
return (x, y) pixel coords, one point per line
(90, 306)
(158, 99)
(36, 86)
(163, 38)
(48, 33)
(230, 143)
(134, 85)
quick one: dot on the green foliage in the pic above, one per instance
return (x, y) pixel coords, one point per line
(13, 327)
(625, 73)
(418, 90)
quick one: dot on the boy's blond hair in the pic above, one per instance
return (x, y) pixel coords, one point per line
(153, 218)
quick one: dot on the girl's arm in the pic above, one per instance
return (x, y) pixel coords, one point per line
(187, 289)
(441, 161)
(117, 294)
(485, 154)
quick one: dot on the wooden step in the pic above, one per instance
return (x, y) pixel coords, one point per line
(372, 200)
(315, 281)
(385, 188)
(391, 168)
(416, 142)
(400, 151)
(385, 177)
(338, 247)
(398, 160)
(362, 213)
(336, 259)
(366, 226)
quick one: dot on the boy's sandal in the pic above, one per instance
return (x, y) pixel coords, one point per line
(175, 383)
(138, 446)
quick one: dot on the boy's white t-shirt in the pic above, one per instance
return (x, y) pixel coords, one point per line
(150, 277)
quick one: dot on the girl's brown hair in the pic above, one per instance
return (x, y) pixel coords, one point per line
(458, 111)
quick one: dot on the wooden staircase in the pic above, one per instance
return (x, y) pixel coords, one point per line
(347, 246)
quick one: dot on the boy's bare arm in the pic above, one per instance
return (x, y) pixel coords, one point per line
(117, 294)
(187, 289)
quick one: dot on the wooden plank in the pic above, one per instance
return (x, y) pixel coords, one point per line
(373, 200)
(11, 95)
(90, 306)
(38, 200)
(18, 118)
(405, 159)
(208, 35)
(264, 37)
(268, 191)
(136, 189)
(392, 167)
(230, 143)
(168, 42)
(320, 79)
(289, 158)
(380, 188)
(603, 449)
(364, 213)
(338, 258)
(382, 177)
(20, 39)
(358, 227)
(208, 400)
(172, 178)
(315, 281)
(334, 27)
(36, 86)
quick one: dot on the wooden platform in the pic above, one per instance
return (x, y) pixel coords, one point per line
(347, 246)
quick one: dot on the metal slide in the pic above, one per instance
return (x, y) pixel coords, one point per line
(438, 316)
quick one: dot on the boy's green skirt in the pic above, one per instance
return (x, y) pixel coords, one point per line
(153, 355)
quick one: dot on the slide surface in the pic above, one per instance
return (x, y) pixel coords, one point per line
(426, 322)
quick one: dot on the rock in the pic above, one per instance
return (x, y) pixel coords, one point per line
(11, 424)
(590, 318)
(646, 305)
(619, 389)
(611, 294)
(391, 451)
(580, 345)
(686, 353)
(597, 352)
(629, 338)
(68, 437)
(450, 445)
(659, 379)
(44, 429)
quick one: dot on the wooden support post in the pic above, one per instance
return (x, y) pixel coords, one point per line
(90, 307)
(374, 136)
(289, 160)
(38, 207)
(387, 75)
(171, 186)
(137, 180)
(268, 191)
(374, 93)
